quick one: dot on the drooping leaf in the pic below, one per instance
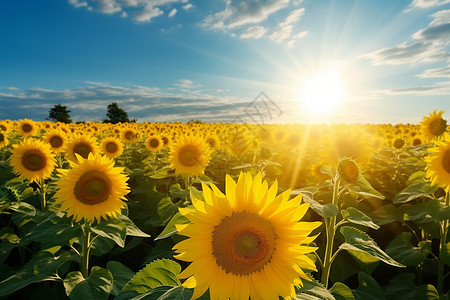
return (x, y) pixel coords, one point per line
(313, 290)
(157, 273)
(414, 191)
(356, 216)
(170, 228)
(326, 211)
(362, 187)
(357, 240)
(342, 292)
(113, 229)
(23, 208)
(98, 285)
(131, 228)
(166, 209)
(401, 249)
(53, 231)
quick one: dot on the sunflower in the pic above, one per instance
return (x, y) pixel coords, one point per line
(248, 242)
(166, 140)
(82, 145)
(92, 189)
(434, 125)
(27, 127)
(111, 147)
(240, 142)
(3, 139)
(154, 143)
(32, 159)
(189, 156)
(5, 127)
(56, 139)
(129, 135)
(438, 167)
(212, 140)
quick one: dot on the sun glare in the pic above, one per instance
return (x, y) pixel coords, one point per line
(322, 92)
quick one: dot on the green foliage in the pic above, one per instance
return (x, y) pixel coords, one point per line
(98, 285)
(59, 113)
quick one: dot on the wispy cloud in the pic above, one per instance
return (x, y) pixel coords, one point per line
(284, 29)
(440, 88)
(426, 4)
(436, 73)
(428, 46)
(254, 32)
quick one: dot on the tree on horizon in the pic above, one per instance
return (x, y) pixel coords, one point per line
(59, 113)
(115, 114)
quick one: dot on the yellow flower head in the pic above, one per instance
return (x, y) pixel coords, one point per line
(189, 155)
(111, 147)
(3, 139)
(438, 168)
(245, 243)
(32, 159)
(434, 125)
(129, 135)
(27, 127)
(154, 143)
(82, 145)
(92, 189)
(56, 139)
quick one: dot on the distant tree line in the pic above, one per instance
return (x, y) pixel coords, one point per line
(114, 114)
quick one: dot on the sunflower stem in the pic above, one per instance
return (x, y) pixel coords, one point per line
(42, 194)
(443, 231)
(86, 248)
(330, 229)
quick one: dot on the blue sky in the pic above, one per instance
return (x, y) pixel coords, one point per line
(175, 60)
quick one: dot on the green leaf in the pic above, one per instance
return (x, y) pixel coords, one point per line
(325, 211)
(401, 249)
(368, 288)
(427, 291)
(23, 208)
(329, 170)
(113, 229)
(367, 261)
(121, 275)
(166, 209)
(401, 287)
(98, 285)
(414, 191)
(386, 214)
(170, 229)
(445, 254)
(356, 216)
(157, 273)
(357, 240)
(313, 290)
(43, 266)
(176, 293)
(131, 228)
(416, 177)
(53, 231)
(341, 290)
(176, 191)
(363, 187)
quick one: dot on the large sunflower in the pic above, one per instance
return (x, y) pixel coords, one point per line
(190, 155)
(27, 127)
(111, 147)
(438, 168)
(82, 145)
(92, 189)
(32, 159)
(434, 125)
(248, 242)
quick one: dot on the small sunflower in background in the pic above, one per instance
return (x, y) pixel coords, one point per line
(5, 127)
(166, 140)
(111, 147)
(433, 126)
(3, 139)
(438, 167)
(245, 243)
(92, 189)
(56, 139)
(212, 140)
(33, 159)
(82, 145)
(129, 135)
(154, 143)
(27, 127)
(189, 155)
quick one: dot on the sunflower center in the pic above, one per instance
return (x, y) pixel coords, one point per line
(93, 187)
(211, 142)
(111, 147)
(2, 137)
(129, 135)
(56, 141)
(446, 161)
(243, 243)
(437, 126)
(3, 127)
(399, 143)
(82, 149)
(27, 127)
(165, 140)
(154, 143)
(189, 156)
(34, 160)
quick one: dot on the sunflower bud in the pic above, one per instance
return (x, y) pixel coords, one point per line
(348, 169)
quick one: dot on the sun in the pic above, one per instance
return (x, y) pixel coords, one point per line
(321, 93)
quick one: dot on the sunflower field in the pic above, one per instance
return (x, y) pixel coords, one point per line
(224, 210)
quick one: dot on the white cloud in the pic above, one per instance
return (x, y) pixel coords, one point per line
(440, 88)
(77, 3)
(284, 29)
(172, 12)
(109, 6)
(254, 32)
(428, 46)
(436, 73)
(238, 13)
(187, 6)
(426, 4)
(147, 14)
